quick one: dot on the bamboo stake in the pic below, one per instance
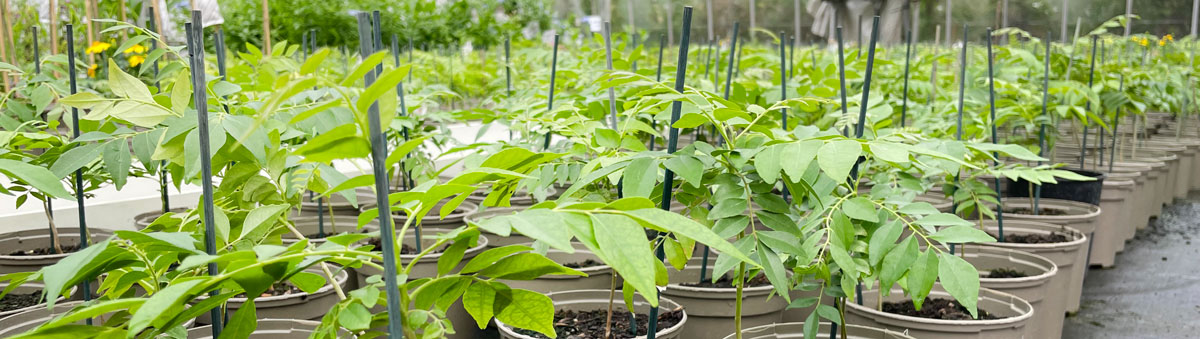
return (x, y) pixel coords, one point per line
(54, 27)
(842, 76)
(124, 18)
(266, 20)
(91, 37)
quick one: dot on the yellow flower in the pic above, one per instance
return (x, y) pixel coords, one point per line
(92, 70)
(98, 47)
(135, 49)
(1144, 42)
(1169, 37)
(135, 60)
(1162, 42)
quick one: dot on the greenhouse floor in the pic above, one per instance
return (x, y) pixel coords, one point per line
(1153, 291)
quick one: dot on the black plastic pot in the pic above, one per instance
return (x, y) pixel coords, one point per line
(1081, 191)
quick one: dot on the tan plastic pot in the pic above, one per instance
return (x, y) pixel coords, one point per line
(336, 204)
(26, 288)
(464, 325)
(590, 300)
(434, 218)
(1016, 313)
(496, 240)
(1079, 216)
(303, 306)
(271, 329)
(40, 238)
(140, 221)
(30, 319)
(1181, 168)
(338, 224)
(1065, 255)
(520, 198)
(1154, 173)
(795, 330)
(1116, 202)
(1035, 288)
(1138, 202)
(598, 277)
(712, 309)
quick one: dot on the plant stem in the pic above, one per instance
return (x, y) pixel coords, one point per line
(55, 242)
(842, 315)
(612, 292)
(741, 285)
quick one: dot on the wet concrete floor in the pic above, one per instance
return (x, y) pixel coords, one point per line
(1153, 291)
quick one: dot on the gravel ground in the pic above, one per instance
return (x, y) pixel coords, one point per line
(1153, 291)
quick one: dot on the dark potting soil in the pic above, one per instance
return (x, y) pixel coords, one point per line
(1035, 238)
(591, 324)
(404, 248)
(278, 289)
(317, 236)
(1005, 272)
(44, 251)
(584, 264)
(935, 308)
(1029, 211)
(16, 301)
(727, 282)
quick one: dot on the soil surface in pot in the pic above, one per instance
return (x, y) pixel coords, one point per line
(44, 251)
(404, 248)
(277, 290)
(1029, 211)
(591, 324)
(1005, 272)
(584, 264)
(935, 308)
(1035, 238)
(727, 282)
(16, 301)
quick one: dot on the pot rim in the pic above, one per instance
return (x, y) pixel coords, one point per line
(1025, 306)
(747, 291)
(1078, 237)
(508, 329)
(1072, 206)
(1015, 255)
(93, 231)
(341, 278)
(480, 245)
(822, 328)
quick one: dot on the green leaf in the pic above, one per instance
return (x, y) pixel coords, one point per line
(127, 86)
(529, 310)
(921, 275)
(667, 221)
(261, 217)
(961, 234)
(384, 84)
(526, 266)
(355, 317)
(690, 120)
(152, 312)
(38, 177)
(776, 273)
(767, 162)
(687, 167)
(341, 142)
(117, 161)
(242, 323)
(941, 219)
(728, 208)
(544, 225)
(181, 93)
(639, 177)
(491, 256)
(75, 158)
(83, 100)
(890, 152)
(896, 262)
(480, 301)
(623, 243)
(367, 64)
(796, 157)
(882, 241)
(837, 157)
(860, 208)
(452, 256)
(314, 61)
(307, 281)
(961, 280)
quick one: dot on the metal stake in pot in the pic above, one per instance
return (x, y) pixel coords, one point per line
(507, 70)
(995, 140)
(842, 75)
(1112, 155)
(1091, 76)
(1037, 190)
(783, 79)
(83, 232)
(907, 60)
(378, 153)
(860, 125)
(550, 98)
(612, 94)
(633, 47)
(792, 56)
(962, 87)
(195, 39)
(409, 183)
(672, 143)
(662, 41)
